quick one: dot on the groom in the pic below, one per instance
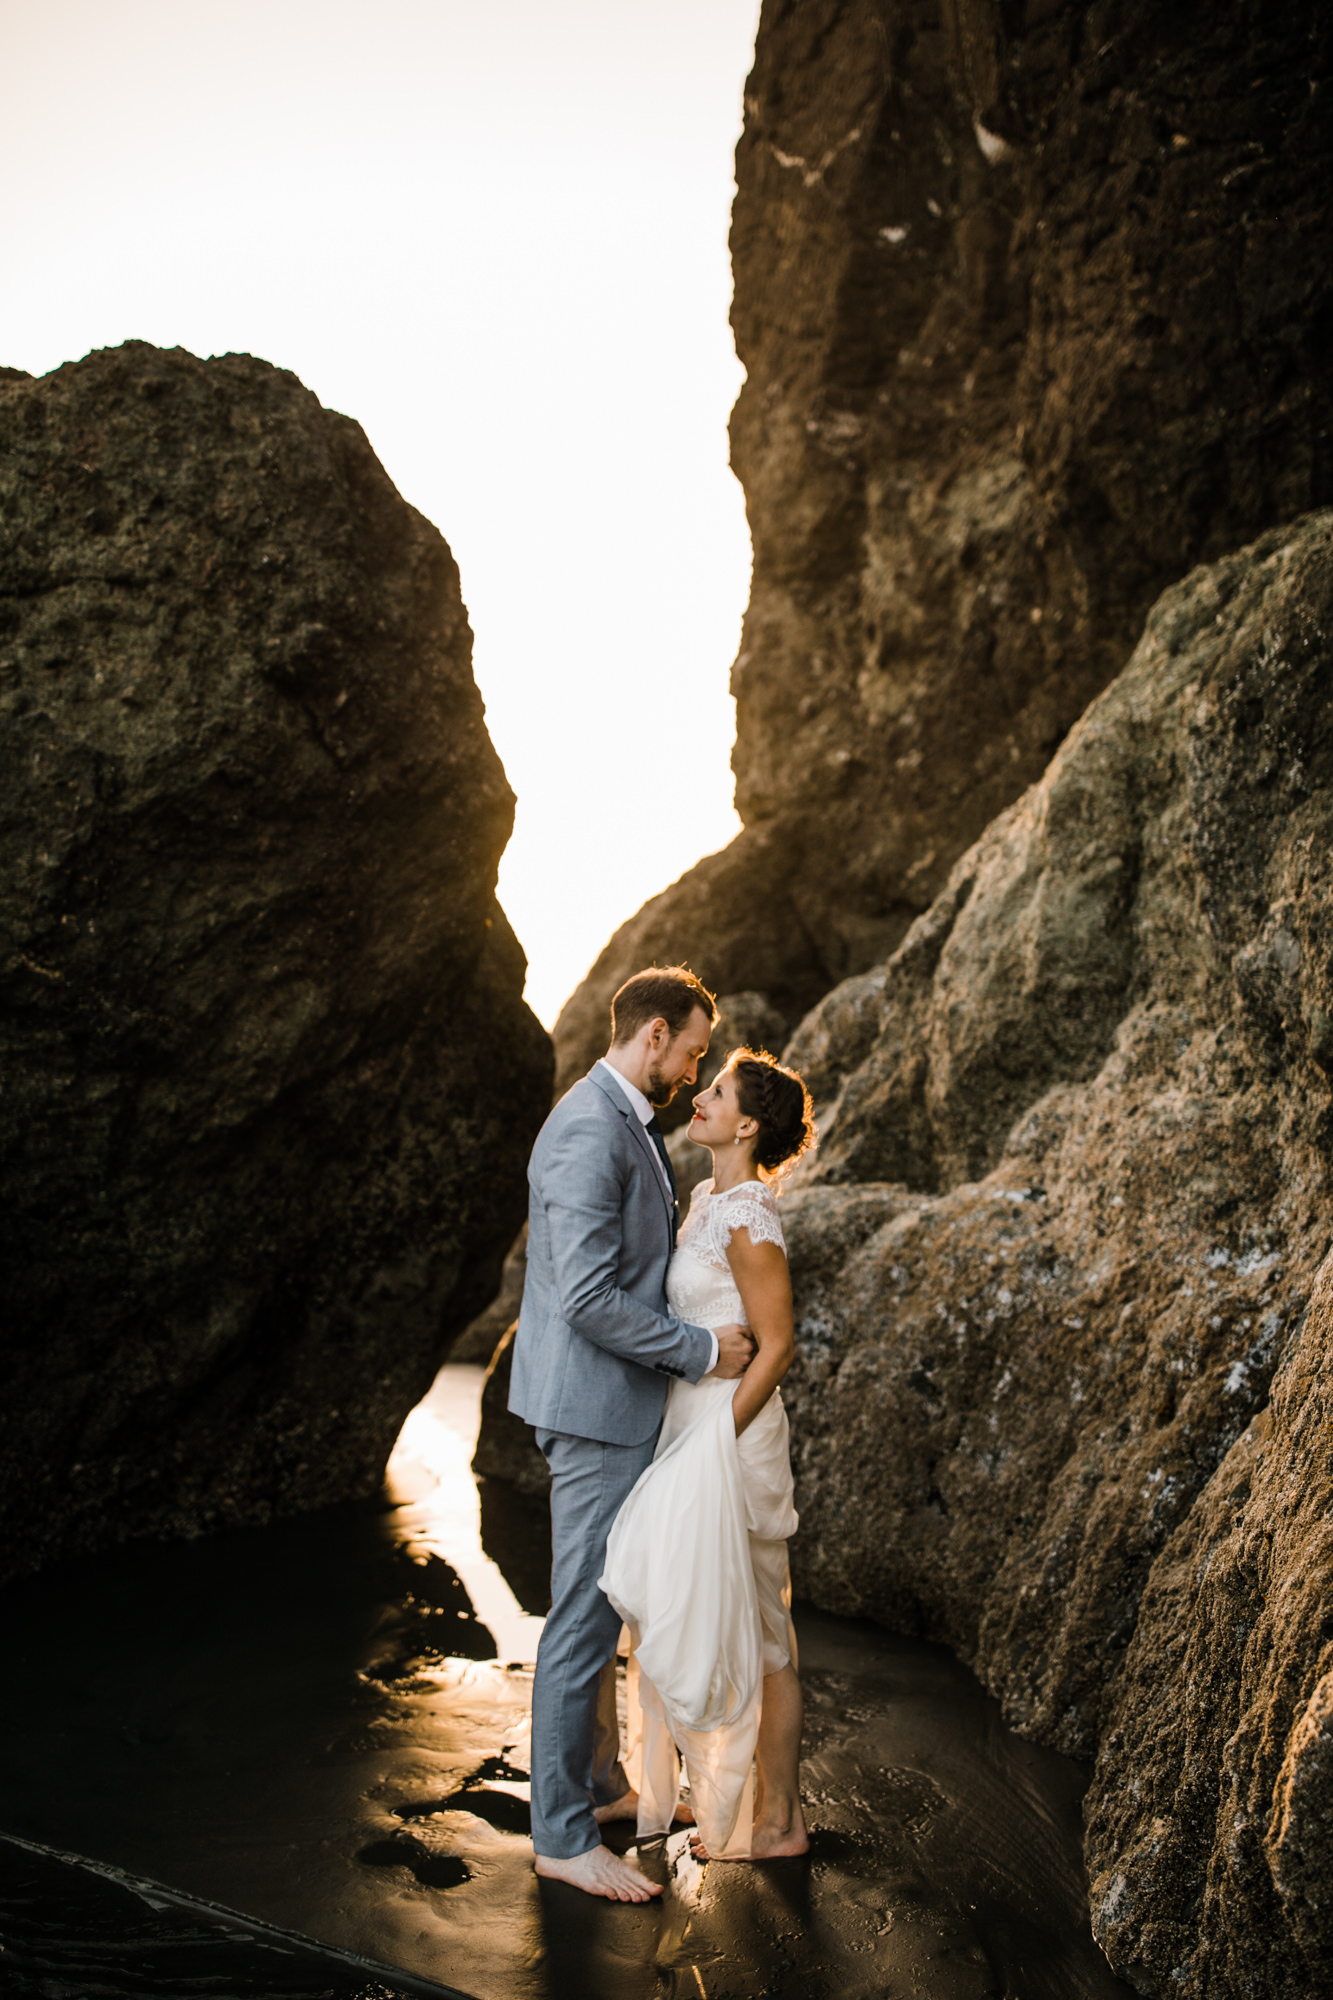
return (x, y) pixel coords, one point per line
(596, 1349)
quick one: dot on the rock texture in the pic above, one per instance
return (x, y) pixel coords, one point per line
(1061, 1396)
(477, 1343)
(1034, 304)
(1211, 1831)
(269, 1083)
(506, 1448)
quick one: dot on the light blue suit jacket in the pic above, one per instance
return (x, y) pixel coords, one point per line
(597, 1344)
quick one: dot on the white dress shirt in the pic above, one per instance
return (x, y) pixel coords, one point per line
(645, 1114)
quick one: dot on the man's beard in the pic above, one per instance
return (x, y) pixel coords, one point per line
(660, 1092)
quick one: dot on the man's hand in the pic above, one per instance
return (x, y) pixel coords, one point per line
(735, 1348)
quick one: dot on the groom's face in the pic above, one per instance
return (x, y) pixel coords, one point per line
(678, 1057)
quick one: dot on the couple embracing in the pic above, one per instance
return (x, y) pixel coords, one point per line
(650, 1368)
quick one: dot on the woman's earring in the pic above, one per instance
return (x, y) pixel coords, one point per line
(737, 1140)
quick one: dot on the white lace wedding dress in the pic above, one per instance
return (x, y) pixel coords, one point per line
(696, 1562)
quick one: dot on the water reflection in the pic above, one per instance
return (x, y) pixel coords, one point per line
(324, 1723)
(429, 1480)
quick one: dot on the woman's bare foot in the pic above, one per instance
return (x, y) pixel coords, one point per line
(622, 1808)
(599, 1873)
(628, 1808)
(770, 1840)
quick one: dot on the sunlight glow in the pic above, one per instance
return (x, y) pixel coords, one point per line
(430, 1475)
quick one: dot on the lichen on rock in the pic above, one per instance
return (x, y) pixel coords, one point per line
(269, 1081)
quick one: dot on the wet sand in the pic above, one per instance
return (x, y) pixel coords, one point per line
(71, 1930)
(324, 1725)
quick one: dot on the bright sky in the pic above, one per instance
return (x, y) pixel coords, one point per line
(495, 232)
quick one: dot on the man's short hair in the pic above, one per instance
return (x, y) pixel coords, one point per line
(667, 992)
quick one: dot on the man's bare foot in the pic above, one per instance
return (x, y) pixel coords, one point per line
(599, 1873)
(628, 1808)
(770, 1841)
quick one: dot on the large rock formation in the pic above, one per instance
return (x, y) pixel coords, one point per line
(1211, 1827)
(1034, 305)
(1061, 1396)
(269, 1083)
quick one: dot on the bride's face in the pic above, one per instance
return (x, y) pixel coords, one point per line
(718, 1119)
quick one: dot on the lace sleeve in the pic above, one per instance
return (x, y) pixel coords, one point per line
(751, 1208)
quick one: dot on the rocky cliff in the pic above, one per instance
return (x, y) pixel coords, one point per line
(1035, 305)
(269, 1082)
(1061, 1396)
(1064, 1283)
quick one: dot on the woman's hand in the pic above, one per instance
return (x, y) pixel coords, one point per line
(764, 1283)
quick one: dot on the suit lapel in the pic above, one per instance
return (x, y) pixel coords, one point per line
(647, 1147)
(638, 1133)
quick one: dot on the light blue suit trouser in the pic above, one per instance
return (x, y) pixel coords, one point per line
(575, 1736)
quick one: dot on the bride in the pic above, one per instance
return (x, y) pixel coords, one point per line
(696, 1561)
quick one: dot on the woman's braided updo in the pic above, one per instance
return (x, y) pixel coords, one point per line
(780, 1105)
